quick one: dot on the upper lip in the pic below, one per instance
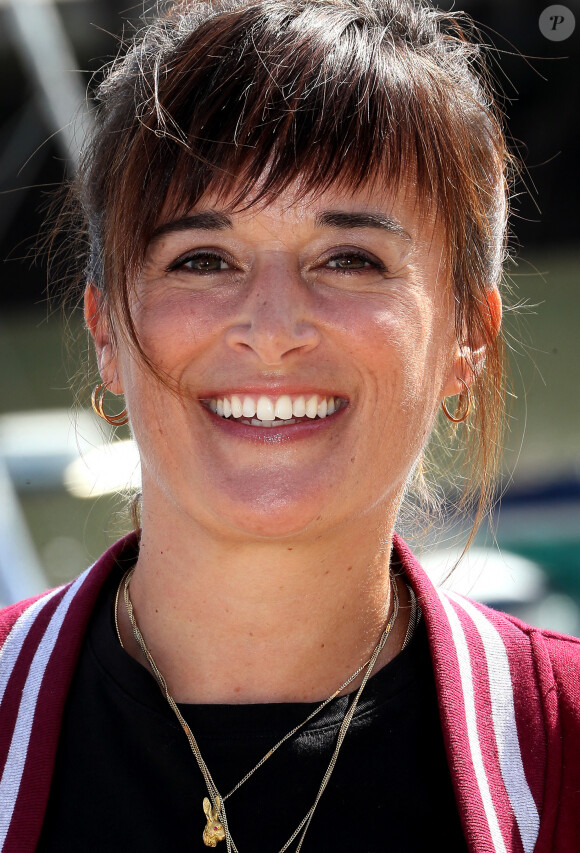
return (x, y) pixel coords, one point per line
(255, 391)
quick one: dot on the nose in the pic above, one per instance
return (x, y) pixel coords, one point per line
(277, 317)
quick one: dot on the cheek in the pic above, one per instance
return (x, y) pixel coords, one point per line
(174, 326)
(405, 345)
(392, 337)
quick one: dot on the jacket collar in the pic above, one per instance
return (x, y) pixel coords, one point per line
(474, 651)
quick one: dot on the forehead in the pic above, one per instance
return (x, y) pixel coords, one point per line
(399, 211)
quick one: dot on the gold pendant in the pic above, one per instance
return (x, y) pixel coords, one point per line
(213, 831)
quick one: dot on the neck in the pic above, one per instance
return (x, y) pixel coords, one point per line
(231, 621)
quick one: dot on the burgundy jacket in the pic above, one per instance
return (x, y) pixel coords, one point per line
(509, 701)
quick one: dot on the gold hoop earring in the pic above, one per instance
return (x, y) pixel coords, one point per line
(97, 399)
(449, 416)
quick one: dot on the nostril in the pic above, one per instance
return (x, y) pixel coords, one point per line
(271, 345)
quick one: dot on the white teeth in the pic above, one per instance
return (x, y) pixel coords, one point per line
(299, 407)
(237, 408)
(265, 409)
(256, 422)
(312, 407)
(279, 411)
(249, 407)
(283, 408)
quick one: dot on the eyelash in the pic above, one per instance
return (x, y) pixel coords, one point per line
(180, 263)
(374, 263)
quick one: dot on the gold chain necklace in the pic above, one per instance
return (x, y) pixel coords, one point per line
(217, 828)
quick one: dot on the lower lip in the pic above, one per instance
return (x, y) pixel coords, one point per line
(275, 434)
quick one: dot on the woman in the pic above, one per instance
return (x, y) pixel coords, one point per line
(296, 216)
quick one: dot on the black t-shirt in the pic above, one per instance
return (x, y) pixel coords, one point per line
(126, 779)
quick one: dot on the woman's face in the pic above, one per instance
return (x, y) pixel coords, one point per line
(312, 342)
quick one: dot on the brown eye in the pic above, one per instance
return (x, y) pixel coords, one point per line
(348, 263)
(352, 262)
(201, 263)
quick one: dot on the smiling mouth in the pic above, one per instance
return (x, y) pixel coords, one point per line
(262, 411)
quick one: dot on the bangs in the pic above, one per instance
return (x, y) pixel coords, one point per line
(312, 102)
(256, 99)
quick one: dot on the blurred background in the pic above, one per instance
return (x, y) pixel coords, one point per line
(64, 479)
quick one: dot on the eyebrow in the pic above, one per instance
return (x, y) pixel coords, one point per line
(206, 220)
(212, 220)
(347, 219)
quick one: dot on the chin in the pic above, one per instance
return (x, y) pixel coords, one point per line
(272, 515)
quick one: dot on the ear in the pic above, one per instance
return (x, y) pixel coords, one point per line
(98, 324)
(467, 360)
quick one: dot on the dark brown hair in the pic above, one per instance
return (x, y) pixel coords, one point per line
(220, 94)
